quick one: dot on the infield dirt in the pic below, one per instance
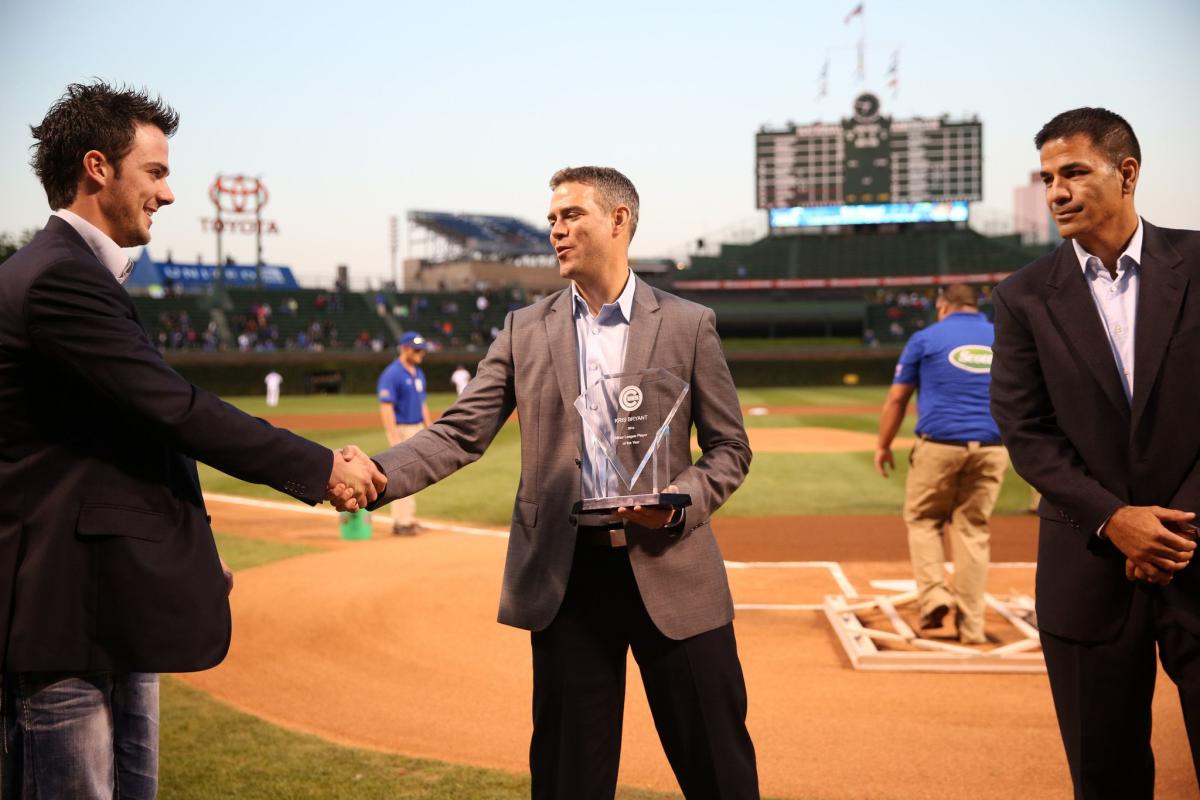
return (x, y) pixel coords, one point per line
(391, 644)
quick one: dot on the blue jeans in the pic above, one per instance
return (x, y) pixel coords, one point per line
(80, 735)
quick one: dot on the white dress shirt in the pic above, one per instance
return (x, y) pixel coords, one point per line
(601, 340)
(1116, 301)
(109, 252)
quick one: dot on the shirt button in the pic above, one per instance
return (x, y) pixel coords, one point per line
(594, 366)
(595, 331)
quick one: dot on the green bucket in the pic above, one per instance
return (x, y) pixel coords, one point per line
(355, 524)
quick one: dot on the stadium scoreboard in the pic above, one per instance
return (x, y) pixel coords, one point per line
(870, 159)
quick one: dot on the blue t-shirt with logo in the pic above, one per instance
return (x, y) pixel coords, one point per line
(405, 391)
(950, 363)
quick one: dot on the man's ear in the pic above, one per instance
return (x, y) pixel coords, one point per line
(620, 220)
(97, 168)
(1130, 169)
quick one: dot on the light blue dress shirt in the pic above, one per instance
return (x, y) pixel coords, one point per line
(601, 340)
(1116, 301)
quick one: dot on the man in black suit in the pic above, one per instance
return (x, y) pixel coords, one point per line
(1095, 381)
(108, 569)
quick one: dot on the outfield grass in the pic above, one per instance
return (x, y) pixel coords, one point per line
(779, 484)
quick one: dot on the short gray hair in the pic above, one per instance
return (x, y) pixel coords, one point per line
(612, 188)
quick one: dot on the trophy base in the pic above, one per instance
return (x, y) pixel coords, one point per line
(606, 506)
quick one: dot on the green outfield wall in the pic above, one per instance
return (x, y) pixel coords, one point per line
(356, 372)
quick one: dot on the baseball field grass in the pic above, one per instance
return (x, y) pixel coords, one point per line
(779, 484)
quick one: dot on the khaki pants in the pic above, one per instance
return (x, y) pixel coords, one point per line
(958, 485)
(404, 510)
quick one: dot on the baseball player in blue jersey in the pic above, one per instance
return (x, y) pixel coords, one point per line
(403, 410)
(957, 463)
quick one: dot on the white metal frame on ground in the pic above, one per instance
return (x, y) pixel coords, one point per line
(858, 640)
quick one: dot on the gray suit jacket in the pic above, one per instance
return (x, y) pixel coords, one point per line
(533, 367)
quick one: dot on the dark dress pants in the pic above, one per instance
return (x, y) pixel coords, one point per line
(694, 686)
(1102, 695)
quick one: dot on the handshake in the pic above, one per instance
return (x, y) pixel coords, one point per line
(355, 481)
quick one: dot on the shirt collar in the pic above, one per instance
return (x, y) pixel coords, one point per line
(624, 301)
(108, 251)
(1133, 250)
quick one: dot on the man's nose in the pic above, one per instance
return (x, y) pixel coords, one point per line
(1057, 192)
(165, 195)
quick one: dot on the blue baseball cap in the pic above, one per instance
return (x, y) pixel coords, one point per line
(414, 340)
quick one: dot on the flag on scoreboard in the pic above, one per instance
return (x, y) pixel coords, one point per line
(854, 12)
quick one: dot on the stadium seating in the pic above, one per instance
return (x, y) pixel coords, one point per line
(452, 319)
(168, 321)
(339, 318)
(484, 235)
(840, 256)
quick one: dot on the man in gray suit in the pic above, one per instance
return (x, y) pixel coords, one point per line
(648, 578)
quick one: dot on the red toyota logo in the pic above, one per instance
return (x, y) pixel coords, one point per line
(238, 194)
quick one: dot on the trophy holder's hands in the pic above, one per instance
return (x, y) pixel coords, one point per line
(1157, 542)
(652, 517)
(355, 481)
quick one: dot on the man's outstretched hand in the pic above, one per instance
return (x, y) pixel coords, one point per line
(355, 481)
(1155, 540)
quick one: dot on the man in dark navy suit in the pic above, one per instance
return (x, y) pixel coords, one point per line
(108, 569)
(1095, 384)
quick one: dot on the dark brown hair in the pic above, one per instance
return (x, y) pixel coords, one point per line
(960, 294)
(1108, 131)
(612, 188)
(91, 116)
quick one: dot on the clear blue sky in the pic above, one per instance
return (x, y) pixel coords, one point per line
(353, 111)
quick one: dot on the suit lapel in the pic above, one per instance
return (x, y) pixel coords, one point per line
(564, 353)
(643, 327)
(1160, 296)
(1075, 310)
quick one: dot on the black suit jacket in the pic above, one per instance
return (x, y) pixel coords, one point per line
(1057, 397)
(107, 561)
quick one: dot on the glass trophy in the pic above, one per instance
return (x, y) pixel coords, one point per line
(627, 428)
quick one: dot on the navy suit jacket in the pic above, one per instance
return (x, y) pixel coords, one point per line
(1072, 434)
(107, 561)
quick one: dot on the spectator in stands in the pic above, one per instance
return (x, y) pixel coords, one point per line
(481, 303)
(321, 301)
(403, 410)
(957, 463)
